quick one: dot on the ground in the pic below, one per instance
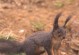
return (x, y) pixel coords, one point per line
(20, 18)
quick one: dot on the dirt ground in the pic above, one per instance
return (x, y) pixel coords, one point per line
(20, 18)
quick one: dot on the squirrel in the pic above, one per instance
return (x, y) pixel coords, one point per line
(32, 44)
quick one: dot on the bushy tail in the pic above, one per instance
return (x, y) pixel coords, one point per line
(7, 46)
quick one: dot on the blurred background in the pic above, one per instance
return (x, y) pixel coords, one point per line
(20, 18)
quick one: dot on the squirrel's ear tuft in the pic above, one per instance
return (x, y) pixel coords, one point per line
(68, 18)
(56, 21)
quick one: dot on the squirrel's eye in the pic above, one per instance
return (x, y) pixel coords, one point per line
(59, 31)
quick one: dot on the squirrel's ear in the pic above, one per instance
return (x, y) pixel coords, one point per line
(68, 18)
(56, 21)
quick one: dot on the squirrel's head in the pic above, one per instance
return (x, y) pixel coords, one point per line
(60, 32)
